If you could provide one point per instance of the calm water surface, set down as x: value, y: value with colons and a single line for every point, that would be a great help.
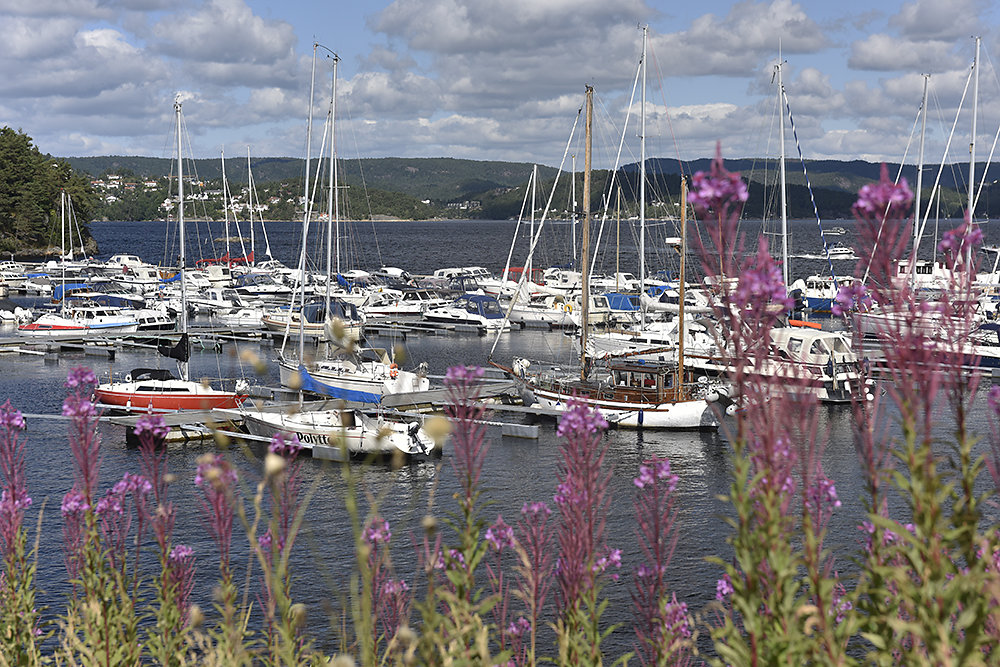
x: 516, y: 470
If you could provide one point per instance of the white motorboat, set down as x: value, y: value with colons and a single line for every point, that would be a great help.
x: 330, y: 434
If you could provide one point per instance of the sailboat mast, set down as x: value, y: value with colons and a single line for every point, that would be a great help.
x: 642, y: 185
x: 573, y: 195
x: 225, y: 203
x: 253, y: 243
x: 305, y: 218
x: 972, y: 140
x: 182, y: 257
x: 333, y: 159
x: 585, y: 242
x: 784, y: 194
x: 62, y: 244
x: 333, y: 227
x: 920, y: 163
x: 680, y: 290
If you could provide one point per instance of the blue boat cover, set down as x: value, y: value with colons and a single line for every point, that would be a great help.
x: 309, y: 383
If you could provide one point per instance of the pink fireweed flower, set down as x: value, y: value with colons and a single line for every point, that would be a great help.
x: 656, y: 469
x: 10, y: 417
x: 959, y: 242
x: 80, y: 377
x: 851, y: 297
x: 134, y: 484
x: 151, y: 426
x: 761, y: 286
x: 723, y: 588
x: 217, y: 472
x: 463, y: 376
x: 716, y: 190
x: 580, y: 420
x: 180, y: 553
x: 500, y: 535
x: 676, y: 621
x: 535, y: 509
x: 395, y: 587
x: 287, y: 448
x: 884, y: 198
x: 519, y: 627
x: 822, y: 495
x: 74, y: 504
x: 993, y: 398
x: 377, y: 532
x: 612, y: 559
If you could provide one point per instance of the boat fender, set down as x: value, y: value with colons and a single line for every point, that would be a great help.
x: 393, y: 371
x: 731, y: 409
x: 712, y: 396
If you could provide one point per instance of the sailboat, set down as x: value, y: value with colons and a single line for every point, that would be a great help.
x: 626, y: 392
x: 362, y: 374
x: 157, y: 390
x: 350, y: 375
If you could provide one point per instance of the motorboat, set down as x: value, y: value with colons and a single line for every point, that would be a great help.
x: 478, y: 310
x: 331, y: 434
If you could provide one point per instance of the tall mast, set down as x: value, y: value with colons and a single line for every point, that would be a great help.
x: 305, y: 220
x: 784, y: 194
x: 62, y: 243
x: 680, y: 290
x: 972, y: 155
x: 972, y: 140
x: 585, y: 243
x: 573, y: 195
x: 642, y: 185
x: 250, y: 207
x: 920, y: 162
x: 182, y: 260
x: 333, y: 219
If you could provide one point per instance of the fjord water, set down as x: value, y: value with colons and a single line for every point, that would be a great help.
x: 516, y: 471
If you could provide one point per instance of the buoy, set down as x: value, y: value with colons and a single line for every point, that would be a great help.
x: 393, y: 371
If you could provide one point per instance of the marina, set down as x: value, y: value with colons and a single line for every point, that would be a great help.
x: 520, y: 465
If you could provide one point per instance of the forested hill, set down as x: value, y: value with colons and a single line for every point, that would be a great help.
x: 31, y: 187
x: 439, y: 179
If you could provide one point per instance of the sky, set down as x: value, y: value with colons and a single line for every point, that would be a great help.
x: 501, y: 79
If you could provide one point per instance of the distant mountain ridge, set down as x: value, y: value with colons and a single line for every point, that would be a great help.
x: 442, y: 179
x: 497, y: 186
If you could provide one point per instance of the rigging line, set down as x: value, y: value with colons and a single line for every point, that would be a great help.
x: 541, y: 225
x: 617, y: 163
x: 899, y: 174
x: 651, y: 53
x: 812, y: 197
x: 989, y: 160
x: 937, y: 179
x: 364, y: 184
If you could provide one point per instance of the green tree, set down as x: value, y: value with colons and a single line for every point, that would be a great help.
x: 30, y: 185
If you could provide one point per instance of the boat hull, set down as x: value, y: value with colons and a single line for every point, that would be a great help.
x: 165, y: 396
x: 687, y: 414
x: 335, y: 434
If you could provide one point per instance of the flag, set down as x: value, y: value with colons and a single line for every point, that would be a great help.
x: 181, y: 351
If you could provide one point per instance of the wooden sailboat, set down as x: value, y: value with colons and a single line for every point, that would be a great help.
x: 626, y: 392
x: 157, y: 390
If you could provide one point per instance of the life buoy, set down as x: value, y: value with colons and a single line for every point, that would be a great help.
x: 569, y: 308
x: 393, y: 371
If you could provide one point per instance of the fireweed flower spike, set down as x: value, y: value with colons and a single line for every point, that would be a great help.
x: 583, y: 501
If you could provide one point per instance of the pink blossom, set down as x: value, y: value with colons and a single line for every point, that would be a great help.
x: 377, y: 532
x: 884, y: 198
x: 723, y: 588
x: 718, y: 189
x: 500, y: 535
x: 81, y: 377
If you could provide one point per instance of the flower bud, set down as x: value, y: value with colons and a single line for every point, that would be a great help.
x: 273, y: 465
